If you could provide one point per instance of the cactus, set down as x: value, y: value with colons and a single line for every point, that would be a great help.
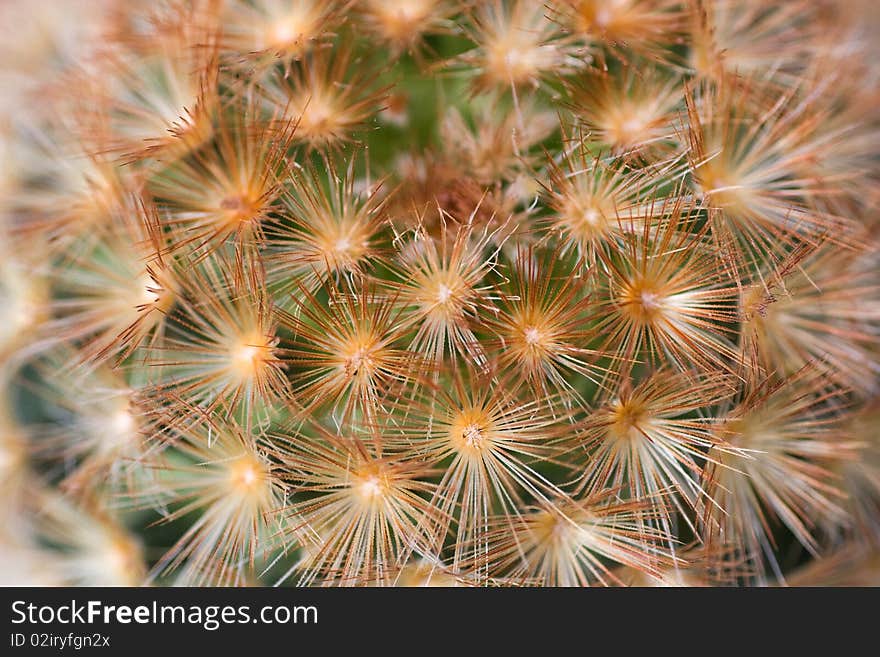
x: 449, y: 292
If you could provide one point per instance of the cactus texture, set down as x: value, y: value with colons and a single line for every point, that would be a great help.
x: 450, y: 292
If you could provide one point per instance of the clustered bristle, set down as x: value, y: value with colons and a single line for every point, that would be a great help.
x: 440, y: 292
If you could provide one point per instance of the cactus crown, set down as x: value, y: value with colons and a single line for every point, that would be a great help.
x: 353, y: 293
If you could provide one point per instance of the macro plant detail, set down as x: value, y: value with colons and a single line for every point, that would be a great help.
x: 439, y: 292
